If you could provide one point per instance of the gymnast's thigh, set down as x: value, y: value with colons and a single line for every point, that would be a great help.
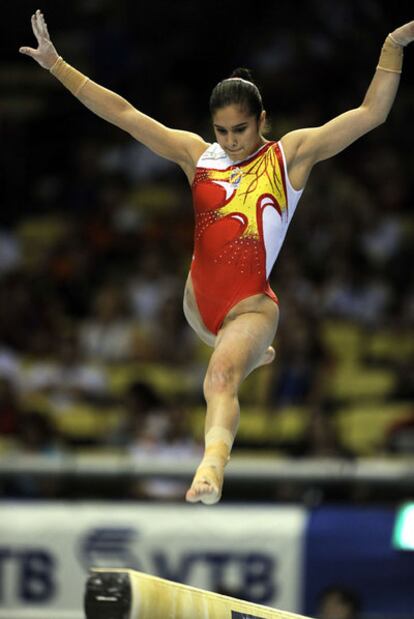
x: 193, y: 316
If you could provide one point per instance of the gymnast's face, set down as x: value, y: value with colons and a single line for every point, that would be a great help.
x: 238, y: 132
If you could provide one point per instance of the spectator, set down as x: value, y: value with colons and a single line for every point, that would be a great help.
x: 337, y: 602
x: 399, y: 437
x: 36, y: 437
x: 152, y: 429
x: 151, y: 423
x: 67, y: 379
x: 302, y: 360
x: 110, y: 334
x: 10, y: 410
x: 321, y: 438
x: 10, y: 251
x: 172, y: 341
x: 151, y: 286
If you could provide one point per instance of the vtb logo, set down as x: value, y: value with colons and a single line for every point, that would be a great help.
x: 118, y: 547
x: 109, y: 547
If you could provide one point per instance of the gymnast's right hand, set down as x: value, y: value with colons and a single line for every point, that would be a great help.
x: 46, y: 54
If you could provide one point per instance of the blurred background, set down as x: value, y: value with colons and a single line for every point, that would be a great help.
x: 100, y: 377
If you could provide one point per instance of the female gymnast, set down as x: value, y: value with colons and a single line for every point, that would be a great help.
x: 245, y: 191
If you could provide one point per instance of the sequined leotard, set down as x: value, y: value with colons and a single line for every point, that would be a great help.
x: 242, y: 212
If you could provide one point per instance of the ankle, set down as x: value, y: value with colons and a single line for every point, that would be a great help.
x: 218, y: 445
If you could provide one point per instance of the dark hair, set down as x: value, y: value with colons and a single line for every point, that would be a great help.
x: 347, y: 596
x: 238, y: 89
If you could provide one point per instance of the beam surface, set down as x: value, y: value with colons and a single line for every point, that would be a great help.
x: 127, y: 594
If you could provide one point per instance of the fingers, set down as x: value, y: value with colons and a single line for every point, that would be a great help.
x: 35, y: 28
x: 46, y: 30
x: 39, y: 26
x: 42, y: 24
x: 29, y: 51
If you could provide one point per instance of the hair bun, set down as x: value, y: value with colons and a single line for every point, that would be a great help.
x: 244, y: 73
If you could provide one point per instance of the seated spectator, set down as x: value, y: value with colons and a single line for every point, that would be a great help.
x: 354, y: 294
x: 404, y: 384
x: 10, y: 366
x: 10, y: 410
x: 151, y: 286
x: 36, y: 436
x: 338, y: 603
x: 156, y: 429
x: 67, y: 379
x: 172, y: 339
x: 110, y: 334
x: 399, y: 438
x: 10, y: 251
x: 321, y: 438
x: 301, y: 361
x: 151, y: 424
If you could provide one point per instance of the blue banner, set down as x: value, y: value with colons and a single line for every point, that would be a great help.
x: 352, y: 547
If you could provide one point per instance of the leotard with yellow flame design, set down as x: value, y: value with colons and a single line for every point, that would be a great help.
x: 242, y: 212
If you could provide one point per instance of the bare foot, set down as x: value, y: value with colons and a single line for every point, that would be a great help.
x: 267, y: 357
x: 206, y: 487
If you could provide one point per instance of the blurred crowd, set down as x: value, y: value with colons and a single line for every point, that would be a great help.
x: 96, y: 232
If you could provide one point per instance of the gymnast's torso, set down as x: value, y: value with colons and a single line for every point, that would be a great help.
x: 242, y: 213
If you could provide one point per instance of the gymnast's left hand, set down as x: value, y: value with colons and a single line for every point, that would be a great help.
x: 45, y: 54
x: 404, y: 35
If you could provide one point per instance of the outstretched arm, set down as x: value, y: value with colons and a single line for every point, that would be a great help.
x: 181, y: 147
x: 308, y: 146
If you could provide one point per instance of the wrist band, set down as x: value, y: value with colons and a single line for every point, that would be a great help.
x: 391, y: 58
x: 71, y: 78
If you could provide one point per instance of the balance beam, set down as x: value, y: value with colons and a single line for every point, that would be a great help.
x: 127, y: 594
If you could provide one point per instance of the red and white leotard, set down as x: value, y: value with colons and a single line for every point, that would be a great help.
x: 242, y: 213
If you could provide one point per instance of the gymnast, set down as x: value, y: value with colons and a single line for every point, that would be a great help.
x: 245, y: 191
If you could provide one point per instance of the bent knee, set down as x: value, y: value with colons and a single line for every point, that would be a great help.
x: 221, y: 377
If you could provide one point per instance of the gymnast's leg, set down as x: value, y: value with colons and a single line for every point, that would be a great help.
x: 242, y: 344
